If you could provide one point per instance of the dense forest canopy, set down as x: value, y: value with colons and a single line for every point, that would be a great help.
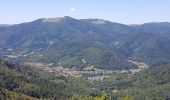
x: 22, y: 82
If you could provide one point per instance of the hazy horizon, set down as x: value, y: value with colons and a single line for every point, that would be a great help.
x: 81, y: 19
x: 120, y: 11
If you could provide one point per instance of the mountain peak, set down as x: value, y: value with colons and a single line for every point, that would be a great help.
x: 99, y: 21
x: 56, y: 19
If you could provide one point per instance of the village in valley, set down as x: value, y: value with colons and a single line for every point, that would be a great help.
x: 89, y: 72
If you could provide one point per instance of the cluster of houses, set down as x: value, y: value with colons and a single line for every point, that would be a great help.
x: 90, y: 72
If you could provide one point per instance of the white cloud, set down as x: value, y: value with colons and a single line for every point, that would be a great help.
x: 72, y: 9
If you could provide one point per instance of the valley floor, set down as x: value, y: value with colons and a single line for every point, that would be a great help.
x: 91, y: 73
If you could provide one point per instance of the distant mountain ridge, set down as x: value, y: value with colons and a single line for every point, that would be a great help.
x: 102, y: 44
x: 161, y: 28
x: 4, y: 25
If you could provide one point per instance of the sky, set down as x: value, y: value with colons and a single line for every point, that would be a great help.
x: 121, y: 11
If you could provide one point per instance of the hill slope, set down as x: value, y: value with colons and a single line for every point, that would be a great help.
x: 161, y: 28
x: 22, y: 82
x: 150, y: 84
x: 69, y: 41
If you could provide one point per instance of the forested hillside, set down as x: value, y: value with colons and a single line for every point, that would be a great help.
x: 22, y: 82
x: 150, y: 84
x: 102, y: 44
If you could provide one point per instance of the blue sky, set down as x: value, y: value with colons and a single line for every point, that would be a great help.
x: 122, y: 11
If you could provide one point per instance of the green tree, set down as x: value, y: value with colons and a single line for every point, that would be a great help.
x: 128, y: 98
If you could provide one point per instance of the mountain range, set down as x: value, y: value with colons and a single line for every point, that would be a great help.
x: 86, y: 42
